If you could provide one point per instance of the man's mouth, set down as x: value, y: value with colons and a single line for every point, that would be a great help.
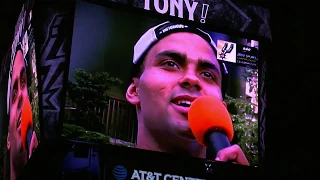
x: 183, y: 103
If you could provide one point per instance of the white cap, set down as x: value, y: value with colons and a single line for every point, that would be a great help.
x: 162, y: 30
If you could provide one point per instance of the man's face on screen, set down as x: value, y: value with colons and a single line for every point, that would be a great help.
x: 178, y: 69
x: 18, y: 88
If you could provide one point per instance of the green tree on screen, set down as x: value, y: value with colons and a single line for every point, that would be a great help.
x: 34, y: 98
x: 72, y: 131
x: 88, y: 95
x: 245, y: 121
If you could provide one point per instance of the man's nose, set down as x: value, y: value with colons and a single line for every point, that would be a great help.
x: 20, y: 101
x: 190, y: 80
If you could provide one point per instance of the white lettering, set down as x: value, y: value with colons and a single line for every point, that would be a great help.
x: 165, y: 6
x: 191, y: 8
x: 246, y: 49
x: 172, y: 27
x: 189, y: 178
x: 158, y: 175
x: 167, y: 176
x: 143, y: 173
x: 135, y: 175
x: 147, y: 4
x: 175, y: 177
x: 148, y: 175
x: 18, y: 31
x: 176, y: 4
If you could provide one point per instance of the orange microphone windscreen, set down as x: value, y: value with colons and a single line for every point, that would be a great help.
x: 26, y: 121
x: 207, y: 113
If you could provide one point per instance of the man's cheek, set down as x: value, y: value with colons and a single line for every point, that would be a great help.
x: 25, y: 92
x: 214, y: 92
x: 13, y: 112
x: 162, y: 89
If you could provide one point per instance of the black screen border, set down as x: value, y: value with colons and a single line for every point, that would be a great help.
x: 264, y: 46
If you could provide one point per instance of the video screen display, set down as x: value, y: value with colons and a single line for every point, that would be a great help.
x: 20, y: 128
x: 132, y: 79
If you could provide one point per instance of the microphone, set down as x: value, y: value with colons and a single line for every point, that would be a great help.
x: 26, y: 125
x: 211, y: 124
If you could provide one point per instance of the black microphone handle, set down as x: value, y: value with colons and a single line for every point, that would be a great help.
x: 215, y: 140
x: 29, y: 137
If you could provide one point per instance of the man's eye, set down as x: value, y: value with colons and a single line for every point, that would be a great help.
x: 209, y: 75
x: 23, y: 80
x: 14, y: 94
x: 170, y: 64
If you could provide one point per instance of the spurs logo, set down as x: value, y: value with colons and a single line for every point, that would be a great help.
x: 225, y: 50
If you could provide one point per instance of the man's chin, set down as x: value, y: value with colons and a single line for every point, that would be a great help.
x: 19, y: 162
x: 20, y: 155
x: 186, y: 135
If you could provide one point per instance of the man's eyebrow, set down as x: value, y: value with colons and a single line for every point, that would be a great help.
x: 182, y: 60
x: 206, y: 64
x: 15, y: 84
x: 175, y: 55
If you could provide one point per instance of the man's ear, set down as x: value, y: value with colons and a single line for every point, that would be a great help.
x: 132, y: 93
x: 8, y: 142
